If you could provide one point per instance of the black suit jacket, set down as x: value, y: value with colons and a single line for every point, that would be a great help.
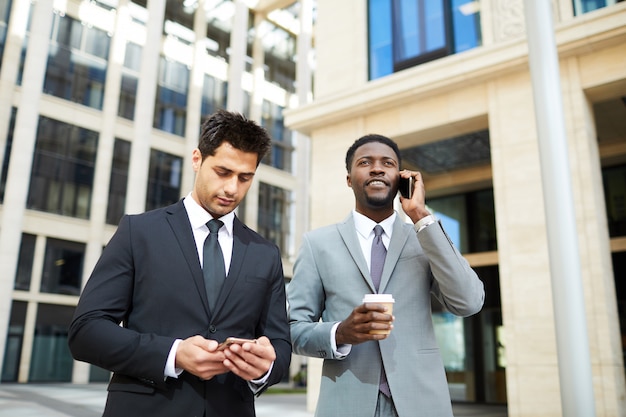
x: 149, y: 279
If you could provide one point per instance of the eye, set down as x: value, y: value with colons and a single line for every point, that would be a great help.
x: 245, y: 178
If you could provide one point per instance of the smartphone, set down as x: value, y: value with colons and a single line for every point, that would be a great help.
x: 406, y: 187
x: 234, y: 340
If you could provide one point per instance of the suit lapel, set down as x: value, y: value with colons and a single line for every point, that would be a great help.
x: 347, y: 231
x: 399, y: 237
x: 240, y: 247
x: 179, y: 223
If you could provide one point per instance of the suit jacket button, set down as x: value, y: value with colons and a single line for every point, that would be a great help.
x: 212, y: 329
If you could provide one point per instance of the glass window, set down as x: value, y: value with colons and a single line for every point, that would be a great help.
x: 51, y: 360
x: 282, y: 148
x: 619, y: 272
x: 584, y: 6
x: 469, y: 220
x: 77, y: 62
x: 164, y: 179
x: 614, y: 180
x: 405, y: 33
x: 63, y: 168
x: 5, y: 9
x: 13, y: 346
x: 273, y: 215
x: 7, y: 154
x: 170, y: 111
x: 213, y: 95
x: 118, y: 182
x: 130, y: 80
x: 25, y: 262
x: 63, y: 267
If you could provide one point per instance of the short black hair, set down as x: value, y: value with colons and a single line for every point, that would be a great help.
x: 368, y: 139
x: 234, y: 128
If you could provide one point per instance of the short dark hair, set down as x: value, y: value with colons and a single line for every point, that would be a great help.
x: 234, y: 128
x: 367, y: 139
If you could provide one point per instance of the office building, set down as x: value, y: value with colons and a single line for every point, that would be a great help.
x: 449, y: 80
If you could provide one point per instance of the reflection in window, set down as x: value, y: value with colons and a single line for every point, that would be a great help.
x: 164, y: 179
x: 51, y: 360
x: 129, y: 82
x: 5, y: 9
x: 13, y: 347
x: 77, y: 62
x: 25, y: 262
x: 273, y: 215
x: 282, y: 149
x: 405, y: 33
x: 469, y: 220
x: 63, y: 168
x: 63, y: 267
x: 170, y: 111
x: 614, y: 180
x: 7, y: 154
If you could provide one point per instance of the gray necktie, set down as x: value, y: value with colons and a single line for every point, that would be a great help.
x: 378, y: 256
x: 213, y: 263
x: 379, y: 253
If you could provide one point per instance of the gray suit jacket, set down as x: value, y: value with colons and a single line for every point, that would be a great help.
x: 330, y: 279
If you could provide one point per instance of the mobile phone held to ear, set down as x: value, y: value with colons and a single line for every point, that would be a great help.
x: 234, y: 340
x: 405, y: 187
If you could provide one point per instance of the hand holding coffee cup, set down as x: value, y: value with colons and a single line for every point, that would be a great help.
x: 385, y: 299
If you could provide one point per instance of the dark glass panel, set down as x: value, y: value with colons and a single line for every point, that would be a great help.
x: 614, y: 180
x: 7, y: 154
x: 13, y: 346
x: 273, y: 223
x: 119, y: 181
x: 25, y: 262
x: 51, y: 360
x: 63, y: 267
x: 164, y: 179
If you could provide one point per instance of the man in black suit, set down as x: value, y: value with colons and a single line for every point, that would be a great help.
x: 145, y: 313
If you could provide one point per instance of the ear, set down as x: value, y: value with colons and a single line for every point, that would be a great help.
x: 196, y: 159
x: 349, y: 180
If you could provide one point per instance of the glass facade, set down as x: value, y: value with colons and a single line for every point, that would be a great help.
x: 77, y: 61
x: 25, y: 262
x: 7, y: 154
x: 170, y: 111
x: 273, y: 215
x: 62, y: 173
x: 130, y: 81
x: 51, y: 360
x: 614, y: 179
x: 164, y: 179
x: 280, y: 156
x: 405, y: 33
x: 63, y: 267
x: 118, y: 181
x: 584, y: 6
x: 5, y: 8
x: 213, y: 95
x: 13, y: 345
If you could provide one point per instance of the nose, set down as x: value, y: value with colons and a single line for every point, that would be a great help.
x: 230, y: 186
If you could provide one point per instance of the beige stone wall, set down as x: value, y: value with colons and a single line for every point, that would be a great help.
x: 489, y: 87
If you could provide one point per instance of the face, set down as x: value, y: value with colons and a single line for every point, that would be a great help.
x: 373, y: 178
x: 222, y: 180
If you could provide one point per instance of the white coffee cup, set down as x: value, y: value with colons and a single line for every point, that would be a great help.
x: 387, y: 300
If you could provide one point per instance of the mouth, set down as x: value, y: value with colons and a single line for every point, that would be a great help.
x: 377, y: 183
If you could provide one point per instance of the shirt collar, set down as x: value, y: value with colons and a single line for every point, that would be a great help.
x: 198, y: 216
x: 364, y: 225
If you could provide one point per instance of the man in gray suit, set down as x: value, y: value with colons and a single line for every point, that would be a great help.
x: 364, y: 374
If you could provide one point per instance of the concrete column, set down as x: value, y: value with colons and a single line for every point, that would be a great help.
x: 25, y: 135
x: 144, y: 110
x: 237, y: 57
x: 194, y: 97
x: 258, y: 72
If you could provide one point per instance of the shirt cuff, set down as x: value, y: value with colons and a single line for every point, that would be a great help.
x: 257, y: 384
x: 424, y: 222
x: 340, y: 351
x: 170, y: 366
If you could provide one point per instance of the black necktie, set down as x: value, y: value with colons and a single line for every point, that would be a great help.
x: 377, y: 261
x: 213, y: 263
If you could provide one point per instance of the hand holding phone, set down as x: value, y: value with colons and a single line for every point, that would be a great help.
x: 234, y: 340
x: 405, y: 187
